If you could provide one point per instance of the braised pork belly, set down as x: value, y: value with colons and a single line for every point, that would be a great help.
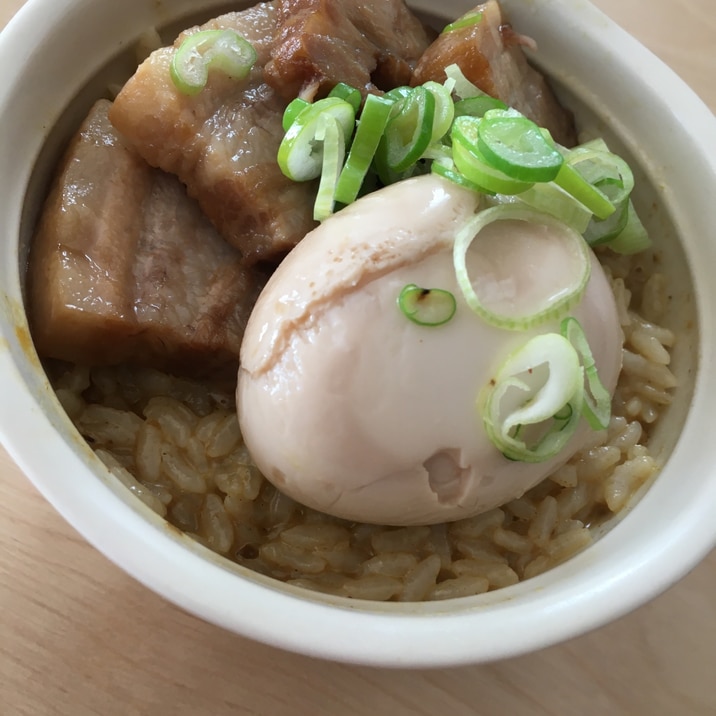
x: 369, y: 45
x: 490, y: 55
x: 222, y: 142
x: 125, y: 267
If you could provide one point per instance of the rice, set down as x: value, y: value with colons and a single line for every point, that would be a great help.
x: 176, y: 445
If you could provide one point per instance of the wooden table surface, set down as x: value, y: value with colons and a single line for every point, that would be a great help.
x: 79, y: 637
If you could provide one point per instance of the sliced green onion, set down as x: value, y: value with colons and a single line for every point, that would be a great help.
x: 330, y: 133
x: 598, y: 165
x: 611, y: 175
x: 476, y: 142
x: 398, y: 93
x: 294, y: 108
x: 597, y: 404
x: 409, y: 131
x: 516, y: 146
x: 439, y: 152
x: 444, y: 109
x: 373, y: 120
x: 575, y: 184
x: 477, y: 106
x: 477, y: 170
x: 555, y: 201
x: 463, y: 88
x: 447, y: 170
x: 300, y: 156
x: 532, y: 406
x: 223, y: 50
x: 597, y: 143
x: 602, y: 231
x: 564, y: 415
x: 347, y: 93
x: 427, y: 306
x: 472, y: 18
x: 470, y: 161
x: 633, y: 238
x: 557, y: 302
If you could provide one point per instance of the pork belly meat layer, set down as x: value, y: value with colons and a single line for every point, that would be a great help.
x: 490, y: 55
x: 125, y: 268
x: 369, y: 44
x: 222, y: 143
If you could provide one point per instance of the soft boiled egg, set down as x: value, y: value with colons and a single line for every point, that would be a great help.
x: 351, y: 408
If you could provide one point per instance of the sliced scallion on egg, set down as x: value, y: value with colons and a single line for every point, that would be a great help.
x: 532, y: 406
x: 492, y: 291
x: 427, y: 306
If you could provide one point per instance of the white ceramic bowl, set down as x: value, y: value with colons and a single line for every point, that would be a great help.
x: 52, y: 53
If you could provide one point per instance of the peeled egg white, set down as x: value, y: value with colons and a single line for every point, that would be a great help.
x: 352, y: 409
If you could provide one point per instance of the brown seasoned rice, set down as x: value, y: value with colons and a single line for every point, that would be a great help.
x: 176, y: 445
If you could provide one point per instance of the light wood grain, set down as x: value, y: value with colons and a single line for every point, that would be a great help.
x: 78, y: 637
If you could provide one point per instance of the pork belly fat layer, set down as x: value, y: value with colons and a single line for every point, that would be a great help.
x: 222, y: 143
x: 369, y: 44
x: 490, y: 55
x: 125, y: 268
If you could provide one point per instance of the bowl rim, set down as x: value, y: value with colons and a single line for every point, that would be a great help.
x: 569, y: 600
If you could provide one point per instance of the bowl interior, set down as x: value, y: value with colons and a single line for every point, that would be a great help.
x: 618, y: 102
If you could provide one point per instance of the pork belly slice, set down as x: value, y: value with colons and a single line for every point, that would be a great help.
x: 490, y: 55
x: 125, y: 268
x: 222, y: 143
x: 370, y: 44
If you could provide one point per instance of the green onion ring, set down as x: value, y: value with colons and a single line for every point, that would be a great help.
x: 224, y: 50
x: 633, y: 237
x: 551, y: 310
x: 447, y: 170
x: 597, y: 405
x: 409, y: 130
x: 349, y: 94
x: 477, y: 106
x: 575, y: 184
x: 444, y: 109
x: 427, y: 306
x: 300, y: 156
x: 373, y: 120
x: 553, y: 408
x: 294, y: 108
x: 462, y: 86
x: 330, y: 133
x: 553, y: 200
x: 470, y: 161
x: 515, y: 145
